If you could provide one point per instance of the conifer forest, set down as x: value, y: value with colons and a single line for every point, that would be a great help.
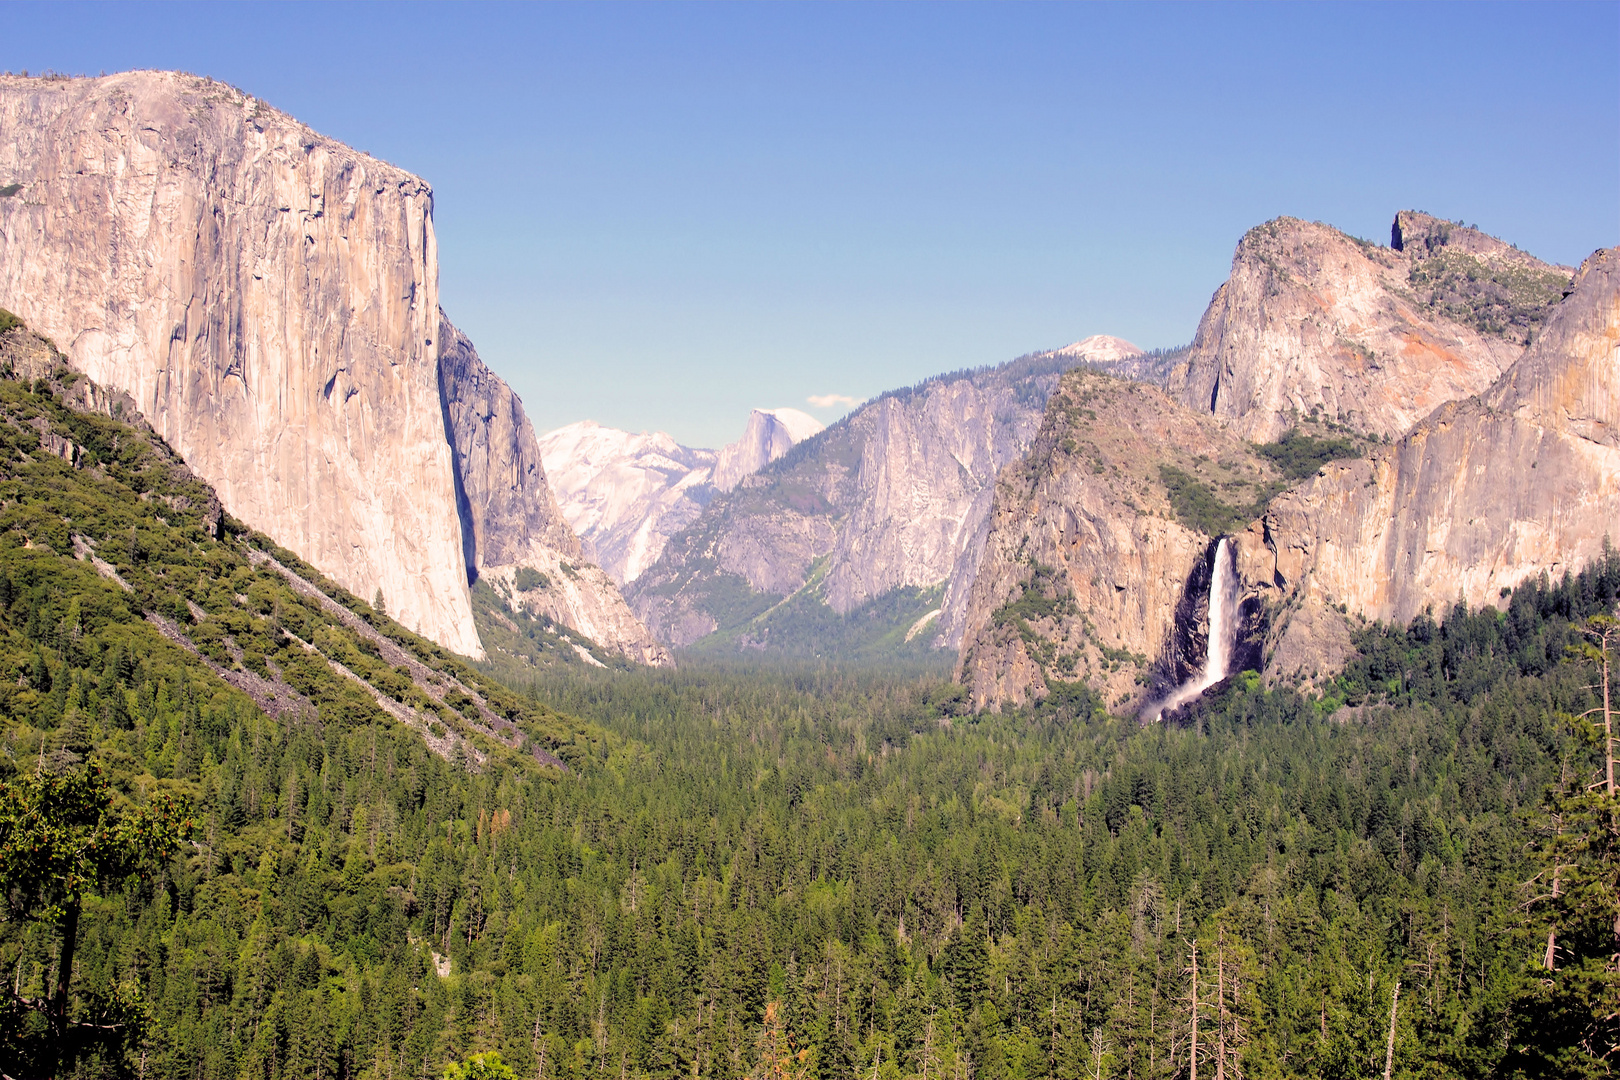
x: 251, y: 827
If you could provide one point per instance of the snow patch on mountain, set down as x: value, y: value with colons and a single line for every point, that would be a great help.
x: 626, y: 493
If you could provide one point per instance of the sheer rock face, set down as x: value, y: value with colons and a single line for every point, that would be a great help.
x: 269, y: 299
x: 896, y: 494
x: 505, y: 503
x: 1372, y: 337
x: 926, y: 471
x: 509, y: 517
x: 1477, y: 497
x: 769, y: 434
x: 1520, y: 476
x: 626, y: 494
x: 1084, y: 530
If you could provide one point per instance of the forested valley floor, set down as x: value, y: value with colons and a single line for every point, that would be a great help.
x: 728, y: 872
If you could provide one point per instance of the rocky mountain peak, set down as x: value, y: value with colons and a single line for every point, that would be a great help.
x: 1085, y: 574
x: 269, y: 299
x: 1315, y: 322
x: 1100, y: 349
x: 1418, y: 236
x: 770, y: 433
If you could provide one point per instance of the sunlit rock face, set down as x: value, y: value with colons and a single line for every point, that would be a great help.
x: 769, y: 434
x: 510, y: 519
x: 1502, y: 464
x: 269, y: 299
x: 1313, y: 320
x: 896, y: 494
x: 1477, y: 497
x: 1086, y: 563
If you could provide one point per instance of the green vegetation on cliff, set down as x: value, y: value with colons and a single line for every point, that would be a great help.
x: 831, y: 873
x: 1509, y: 299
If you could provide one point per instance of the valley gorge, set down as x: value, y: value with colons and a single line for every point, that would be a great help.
x: 1241, y: 708
x: 626, y: 495
x: 891, y: 501
x: 267, y: 298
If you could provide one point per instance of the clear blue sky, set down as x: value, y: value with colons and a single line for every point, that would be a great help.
x: 661, y: 216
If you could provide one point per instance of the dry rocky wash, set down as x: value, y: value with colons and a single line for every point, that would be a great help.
x: 269, y: 299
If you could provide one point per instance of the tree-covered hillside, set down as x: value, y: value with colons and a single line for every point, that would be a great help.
x: 792, y: 872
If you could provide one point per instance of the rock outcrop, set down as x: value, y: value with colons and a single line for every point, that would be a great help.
x: 1315, y: 321
x: 268, y: 299
x: 509, y: 519
x: 1087, y: 576
x: 1479, y: 496
x: 1087, y: 557
x: 769, y: 434
x: 627, y: 494
x: 896, y: 495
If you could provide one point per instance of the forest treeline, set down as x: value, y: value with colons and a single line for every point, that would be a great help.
x: 806, y: 872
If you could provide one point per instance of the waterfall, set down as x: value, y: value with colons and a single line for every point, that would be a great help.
x: 1223, y: 588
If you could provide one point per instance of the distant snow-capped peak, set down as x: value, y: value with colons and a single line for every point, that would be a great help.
x: 1100, y: 349
x: 626, y: 493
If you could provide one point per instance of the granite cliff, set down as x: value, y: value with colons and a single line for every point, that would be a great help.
x: 1515, y: 476
x: 1315, y: 321
x: 268, y: 298
x: 768, y: 435
x: 890, y: 502
x: 1093, y: 542
x: 1479, y: 496
x: 626, y: 494
x: 509, y: 518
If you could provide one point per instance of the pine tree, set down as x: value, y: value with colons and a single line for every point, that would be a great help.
x: 775, y: 1057
x: 1570, y: 1010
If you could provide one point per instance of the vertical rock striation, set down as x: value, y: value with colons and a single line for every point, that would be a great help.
x: 768, y: 435
x: 1477, y: 497
x: 269, y: 299
x: 509, y: 518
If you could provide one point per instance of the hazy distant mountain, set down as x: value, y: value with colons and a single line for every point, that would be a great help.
x: 625, y: 494
x: 889, y: 504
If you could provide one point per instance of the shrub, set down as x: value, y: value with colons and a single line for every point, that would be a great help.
x: 527, y: 577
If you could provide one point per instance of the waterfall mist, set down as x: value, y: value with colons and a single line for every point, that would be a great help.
x: 1223, y: 626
